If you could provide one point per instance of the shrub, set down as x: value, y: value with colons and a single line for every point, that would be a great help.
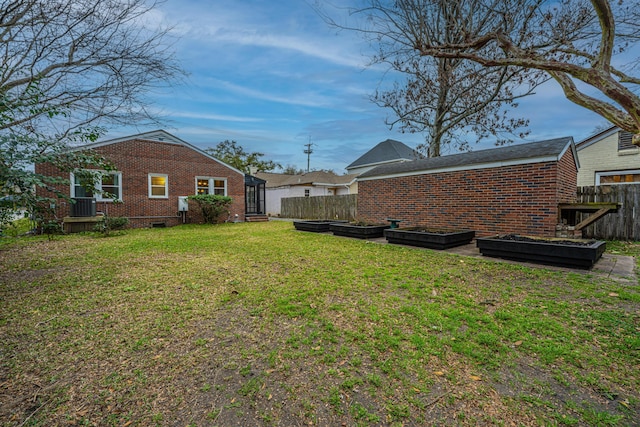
x: 110, y: 223
x: 51, y: 228
x: 212, y: 206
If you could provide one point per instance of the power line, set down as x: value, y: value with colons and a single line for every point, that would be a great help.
x: 308, y: 152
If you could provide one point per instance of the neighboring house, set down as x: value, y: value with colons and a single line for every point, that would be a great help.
x: 279, y: 186
x: 511, y: 189
x: 154, y: 170
x: 608, y: 157
x: 389, y: 151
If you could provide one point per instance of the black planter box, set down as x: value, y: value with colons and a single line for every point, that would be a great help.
x: 432, y: 239
x: 316, y: 225
x: 358, y: 231
x: 564, y: 253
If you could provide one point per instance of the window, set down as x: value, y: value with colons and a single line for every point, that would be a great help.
x: 108, y: 189
x: 618, y: 177
x: 207, y: 185
x: 158, y: 186
x: 306, y: 192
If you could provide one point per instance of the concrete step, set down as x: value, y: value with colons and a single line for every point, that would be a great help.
x: 256, y: 218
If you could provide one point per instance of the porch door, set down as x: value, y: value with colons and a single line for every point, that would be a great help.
x: 251, y: 201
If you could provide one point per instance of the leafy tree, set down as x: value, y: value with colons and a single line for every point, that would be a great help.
x: 234, y: 155
x: 573, y: 42
x: 292, y: 170
x: 18, y: 179
x: 452, y: 100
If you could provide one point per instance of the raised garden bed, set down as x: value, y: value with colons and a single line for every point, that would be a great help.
x: 359, y: 231
x: 560, y: 252
x: 429, y: 238
x: 316, y: 225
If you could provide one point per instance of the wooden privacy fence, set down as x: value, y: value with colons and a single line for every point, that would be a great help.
x: 320, y: 207
x: 620, y: 225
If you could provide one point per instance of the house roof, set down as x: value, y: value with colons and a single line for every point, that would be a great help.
x: 385, y: 152
x: 317, y: 178
x: 596, y: 137
x: 534, y: 152
x: 156, y: 136
x: 602, y: 135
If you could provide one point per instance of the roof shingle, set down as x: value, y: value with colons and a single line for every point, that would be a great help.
x: 385, y: 151
x: 512, y: 153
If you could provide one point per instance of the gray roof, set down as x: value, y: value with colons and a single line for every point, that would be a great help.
x: 512, y: 154
x: 385, y: 151
x: 319, y: 178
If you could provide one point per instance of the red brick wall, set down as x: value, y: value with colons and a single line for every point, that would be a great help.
x: 567, y: 178
x: 136, y: 159
x: 520, y: 199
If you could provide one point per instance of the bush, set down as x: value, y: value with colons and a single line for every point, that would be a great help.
x: 212, y: 206
x: 51, y: 228
x: 110, y: 223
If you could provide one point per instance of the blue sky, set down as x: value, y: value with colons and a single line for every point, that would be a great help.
x: 273, y: 76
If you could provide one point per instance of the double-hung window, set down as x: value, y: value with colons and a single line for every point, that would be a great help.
x: 106, y: 189
x: 158, y: 186
x: 208, y: 185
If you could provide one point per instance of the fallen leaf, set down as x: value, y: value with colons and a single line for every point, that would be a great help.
x: 613, y: 294
x: 417, y: 390
x: 475, y: 378
x: 517, y: 343
x: 269, y: 397
x: 439, y: 373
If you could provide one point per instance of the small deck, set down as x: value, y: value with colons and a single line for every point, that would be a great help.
x: 567, y: 212
x: 78, y: 224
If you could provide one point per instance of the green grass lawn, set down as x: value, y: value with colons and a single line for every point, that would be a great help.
x: 259, y: 324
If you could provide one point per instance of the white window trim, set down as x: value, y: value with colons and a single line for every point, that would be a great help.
x: 211, y: 180
x: 98, y: 189
x: 166, y: 185
x: 622, y: 172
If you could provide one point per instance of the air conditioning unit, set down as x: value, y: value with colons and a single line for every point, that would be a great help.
x: 83, y: 206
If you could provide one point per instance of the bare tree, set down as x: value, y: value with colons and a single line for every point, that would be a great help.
x: 80, y: 61
x: 452, y: 100
x: 572, y: 41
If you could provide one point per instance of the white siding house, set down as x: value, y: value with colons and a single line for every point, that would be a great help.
x: 311, y: 184
x: 608, y: 158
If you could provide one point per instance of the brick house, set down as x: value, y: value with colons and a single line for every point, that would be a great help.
x: 153, y: 170
x: 512, y: 189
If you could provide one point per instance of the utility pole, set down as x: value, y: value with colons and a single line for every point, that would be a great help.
x: 308, y: 152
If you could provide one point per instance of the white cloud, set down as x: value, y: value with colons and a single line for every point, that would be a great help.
x: 208, y: 116
x: 330, y: 50
x: 307, y: 98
